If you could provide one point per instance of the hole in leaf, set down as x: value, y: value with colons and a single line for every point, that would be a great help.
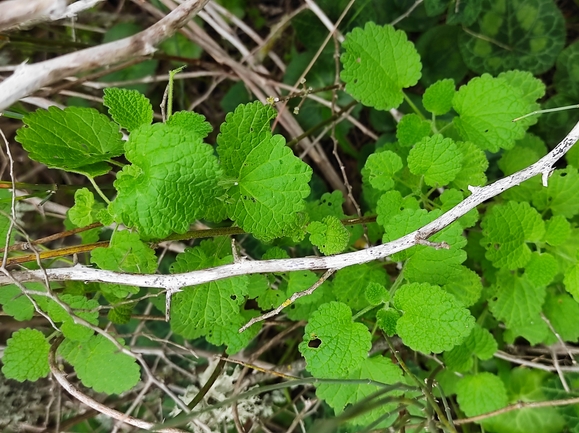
x: 563, y: 174
x: 356, y: 81
x: 314, y: 344
x: 233, y: 297
x: 358, y: 60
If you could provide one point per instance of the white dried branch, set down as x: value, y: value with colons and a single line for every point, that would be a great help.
x: 26, y: 79
x: 20, y: 13
x: 27, y: 13
x: 99, y: 407
x: 174, y: 283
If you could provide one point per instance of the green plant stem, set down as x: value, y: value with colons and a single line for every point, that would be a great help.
x: 547, y: 110
x: 425, y: 391
x: 170, y: 92
x: 413, y: 106
x: 203, y: 391
x: 117, y: 163
x: 364, y: 311
x: 98, y: 190
x: 397, y: 283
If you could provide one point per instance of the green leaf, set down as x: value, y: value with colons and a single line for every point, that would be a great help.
x: 173, y: 177
x: 479, y: 343
x: 74, y: 139
x: 329, y: 204
x: 525, y: 385
x: 562, y: 194
x: 26, y: 356
x: 566, y: 78
x: 465, y: 13
x: 434, y: 7
x: 376, y: 294
x: 100, y: 365
x: 15, y: 303
x: 333, y: 345
x: 452, y: 197
x: 441, y: 59
x: 269, y: 182
x: 406, y: 222
x: 330, y: 236
x: 386, y: 320
x: 562, y: 312
x: 350, y: 283
x: 486, y: 108
x: 519, y: 34
x: 464, y: 283
x: 443, y: 266
x: 121, y: 314
x: 71, y: 330
x: 438, y: 97
x: 506, y: 229
x: 553, y: 390
x: 432, y: 320
x: 532, y: 89
x: 128, y: 108
x: 340, y: 396
x: 392, y: 203
x: 378, y: 63
x: 190, y: 121
x: 557, y: 230
x: 380, y: 168
x: 516, y: 301
x: 181, y: 46
x: 571, y: 281
x: 437, y: 159
x: 481, y: 393
x: 411, y: 129
x: 541, y: 269
x: 527, y: 151
x: 212, y: 309
x: 126, y: 253
x: 81, y: 214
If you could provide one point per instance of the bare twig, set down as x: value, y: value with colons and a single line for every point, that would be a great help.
x: 28, y: 78
x: 407, y: 13
x: 177, y: 281
x: 16, y: 13
x: 85, y: 399
x: 289, y: 301
x: 516, y: 360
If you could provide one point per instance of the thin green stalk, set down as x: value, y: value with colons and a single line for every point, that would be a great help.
x: 170, y: 92
x: 413, y: 106
x: 203, y: 391
x: 548, y: 110
x: 98, y: 190
x: 364, y: 311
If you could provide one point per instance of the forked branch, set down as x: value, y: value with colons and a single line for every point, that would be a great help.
x: 26, y: 79
x: 174, y: 283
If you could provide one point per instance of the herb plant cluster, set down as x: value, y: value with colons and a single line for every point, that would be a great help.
x: 505, y: 273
